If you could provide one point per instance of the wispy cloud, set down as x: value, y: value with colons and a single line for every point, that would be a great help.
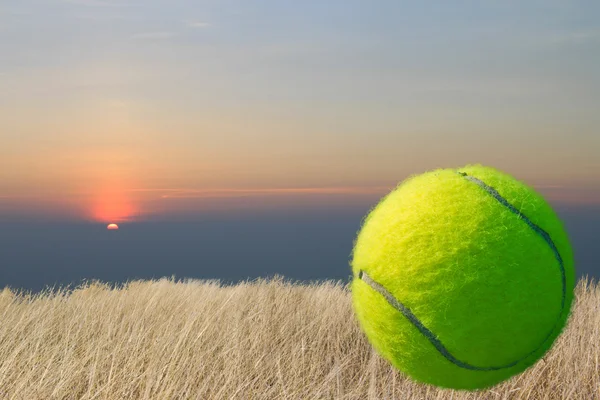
x: 560, y: 194
x: 577, y: 37
x: 154, y: 35
x: 95, y: 3
x: 21, y: 196
x: 94, y: 16
x: 198, y: 24
x: 223, y: 193
x: 546, y: 186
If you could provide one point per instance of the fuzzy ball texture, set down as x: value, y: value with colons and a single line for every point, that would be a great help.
x: 475, y: 274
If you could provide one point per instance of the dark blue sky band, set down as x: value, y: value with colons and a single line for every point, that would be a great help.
x: 433, y: 339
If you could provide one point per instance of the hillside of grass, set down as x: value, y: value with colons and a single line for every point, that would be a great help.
x: 266, y: 339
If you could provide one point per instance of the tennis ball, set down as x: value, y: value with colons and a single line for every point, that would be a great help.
x: 462, y: 278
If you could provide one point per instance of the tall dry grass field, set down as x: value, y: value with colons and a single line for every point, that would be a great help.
x: 268, y: 339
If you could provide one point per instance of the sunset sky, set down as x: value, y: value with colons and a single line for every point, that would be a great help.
x: 118, y: 110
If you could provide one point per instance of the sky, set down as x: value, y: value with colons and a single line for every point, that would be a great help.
x: 135, y: 111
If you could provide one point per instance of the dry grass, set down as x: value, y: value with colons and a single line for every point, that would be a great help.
x: 256, y: 340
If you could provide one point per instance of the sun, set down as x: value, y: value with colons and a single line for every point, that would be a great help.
x: 112, y: 227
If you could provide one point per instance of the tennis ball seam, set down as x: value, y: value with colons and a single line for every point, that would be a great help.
x: 532, y: 225
x: 395, y: 303
x: 439, y: 346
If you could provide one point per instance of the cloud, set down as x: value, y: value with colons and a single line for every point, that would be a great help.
x: 198, y: 24
x: 577, y: 37
x: 154, y: 35
x: 20, y: 197
x: 543, y: 187
x: 556, y: 194
x: 570, y: 195
x: 95, y: 16
x: 227, y: 193
x: 95, y: 3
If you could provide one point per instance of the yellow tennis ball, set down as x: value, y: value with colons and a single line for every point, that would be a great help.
x: 462, y: 277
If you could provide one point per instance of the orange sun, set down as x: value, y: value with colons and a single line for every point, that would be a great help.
x: 113, y: 227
